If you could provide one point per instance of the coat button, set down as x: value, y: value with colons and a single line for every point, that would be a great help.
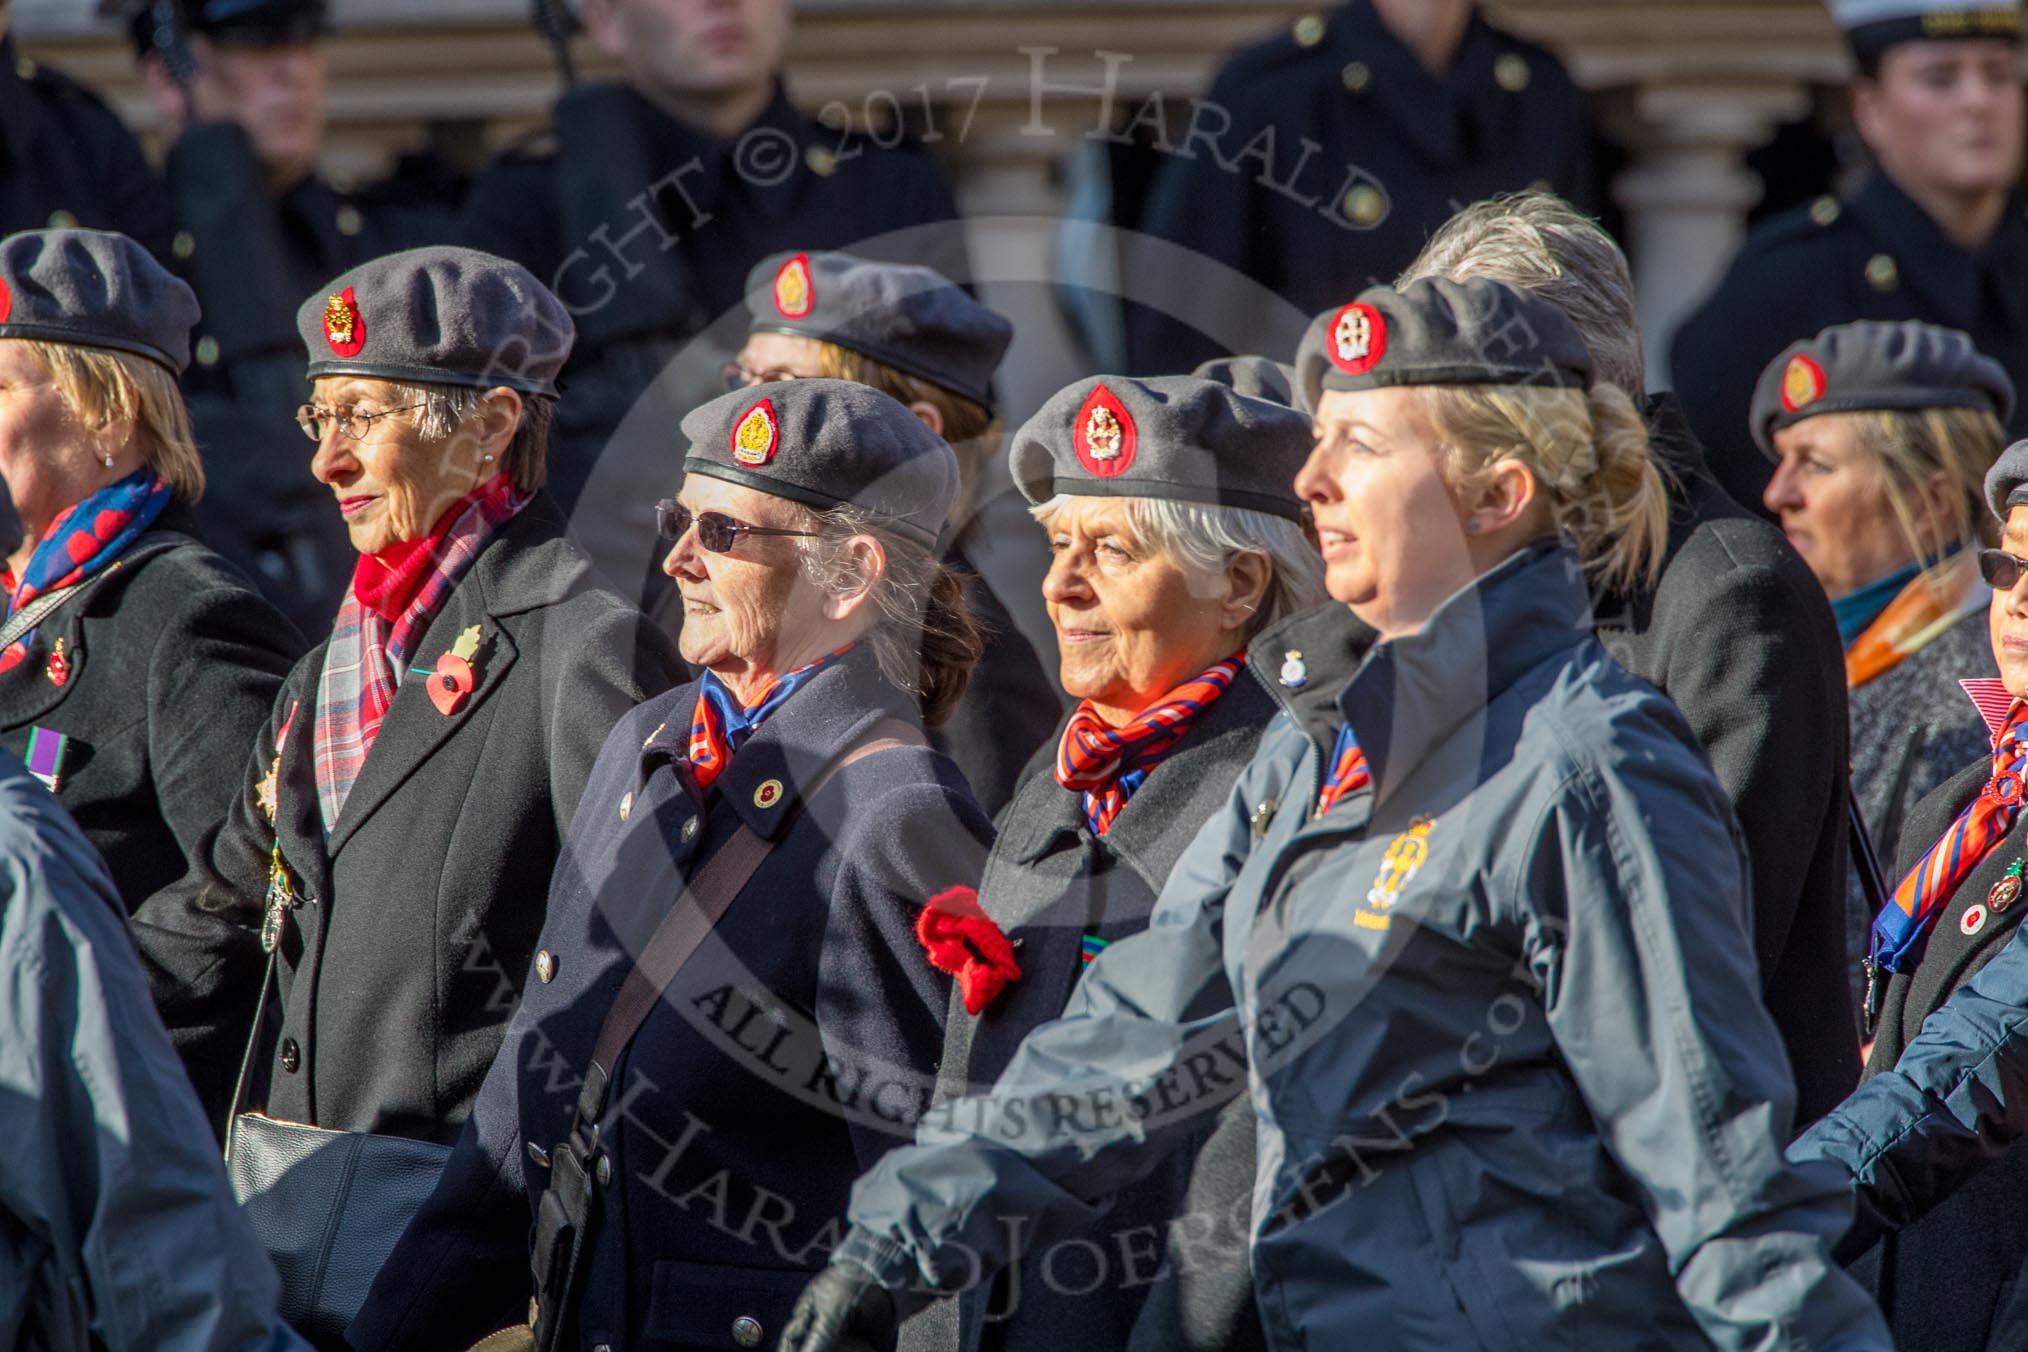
x: 545, y: 967
x: 602, y: 1347
x: 292, y: 1056
x: 604, y: 1170
x: 627, y: 805
x: 689, y: 831
x: 747, y: 1331
x: 1881, y: 273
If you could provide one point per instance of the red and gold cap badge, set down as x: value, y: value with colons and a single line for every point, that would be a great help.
x: 1802, y: 383
x: 344, y: 326
x: 1358, y: 339
x: 795, y: 294
x: 756, y: 437
x: 6, y: 301
x: 1104, y: 435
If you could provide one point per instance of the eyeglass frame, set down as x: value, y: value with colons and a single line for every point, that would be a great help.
x: 306, y: 414
x: 1994, y: 561
x: 668, y: 510
x: 738, y: 377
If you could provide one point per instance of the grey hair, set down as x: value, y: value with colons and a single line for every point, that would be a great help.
x: 923, y: 636
x: 444, y: 408
x: 1203, y: 538
x: 1542, y: 244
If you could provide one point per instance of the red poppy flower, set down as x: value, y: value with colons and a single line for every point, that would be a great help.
x: 451, y: 684
x: 962, y: 939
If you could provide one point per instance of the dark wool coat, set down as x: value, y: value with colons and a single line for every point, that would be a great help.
x: 1958, y: 1277
x: 1048, y: 883
x: 172, y: 665
x: 795, y: 1047
x: 417, y: 918
x: 1738, y: 634
x: 1912, y: 729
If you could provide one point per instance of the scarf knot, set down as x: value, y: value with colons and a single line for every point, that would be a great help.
x: 1902, y: 929
x: 83, y: 540
x: 1108, y: 764
x: 720, y: 724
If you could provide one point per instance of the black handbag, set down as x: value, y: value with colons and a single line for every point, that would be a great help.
x: 327, y: 1205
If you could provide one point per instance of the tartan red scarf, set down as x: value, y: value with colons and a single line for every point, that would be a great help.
x: 394, y: 596
x: 1109, y: 764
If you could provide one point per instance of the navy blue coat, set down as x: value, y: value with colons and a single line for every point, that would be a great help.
x: 797, y: 1045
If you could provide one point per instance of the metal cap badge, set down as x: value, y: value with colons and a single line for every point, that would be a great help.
x: 344, y: 326
x: 1105, y: 436
x: 757, y: 436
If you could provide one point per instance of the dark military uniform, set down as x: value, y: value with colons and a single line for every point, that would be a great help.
x: 66, y: 160
x: 1392, y: 152
x: 1878, y: 256
x: 565, y: 206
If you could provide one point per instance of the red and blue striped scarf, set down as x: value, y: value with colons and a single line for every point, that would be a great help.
x: 394, y: 596
x: 720, y: 724
x: 83, y: 539
x: 1348, y: 773
x: 1903, y: 925
x: 1108, y: 764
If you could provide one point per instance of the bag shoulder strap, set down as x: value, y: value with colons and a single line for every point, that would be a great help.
x: 697, y: 910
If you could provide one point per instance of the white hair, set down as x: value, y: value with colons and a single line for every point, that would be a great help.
x: 1202, y: 538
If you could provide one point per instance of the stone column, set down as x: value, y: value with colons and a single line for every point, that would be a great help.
x: 1688, y: 190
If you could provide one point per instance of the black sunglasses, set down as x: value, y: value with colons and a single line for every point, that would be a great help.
x: 715, y: 531
x: 2001, y: 569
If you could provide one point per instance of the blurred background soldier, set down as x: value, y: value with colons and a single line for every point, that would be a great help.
x: 644, y: 204
x: 66, y: 160
x: 1322, y: 159
x: 1935, y: 232
x: 238, y: 88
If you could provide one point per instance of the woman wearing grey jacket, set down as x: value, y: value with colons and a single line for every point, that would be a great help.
x: 1175, y: 538
x: 1473, y: 919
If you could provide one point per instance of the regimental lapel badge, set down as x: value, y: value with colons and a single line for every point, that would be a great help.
x: 46, y: 751
x: 281, y: 899
x: 1295, y: 672
x: 456, y: 676
x: 268, y: 793
x: 2006, y: 891
x: 58, y: 668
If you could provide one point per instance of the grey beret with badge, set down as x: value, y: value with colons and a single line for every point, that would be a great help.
x: 828, y: 443
x: 914, y: 319
x: 1872, y: 26
x: 2007, y: 480
x: 1435, y: 331
x: 1181, y: 438
x: 441, y: 315
x: 94, y: 288
x: 1875, y: 364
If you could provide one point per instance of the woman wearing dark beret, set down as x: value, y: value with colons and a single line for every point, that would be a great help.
x: 683, y: 1181
x: 1882, y: 435
x: 1943, y: 1096
x: 1176, y: 537
x: 1470, y: 930
x: 136, y: 666
x: 397, y: 820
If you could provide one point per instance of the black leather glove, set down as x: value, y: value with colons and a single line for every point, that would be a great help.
x: 843, y: 1309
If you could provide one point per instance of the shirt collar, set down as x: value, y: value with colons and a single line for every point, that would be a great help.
x: 1989, y: 695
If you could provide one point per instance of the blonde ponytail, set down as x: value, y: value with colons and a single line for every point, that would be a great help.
x: 1588, y: 451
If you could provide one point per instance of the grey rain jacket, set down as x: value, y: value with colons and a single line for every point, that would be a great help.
x: 1499, y: 1019
x: 117, y: 1228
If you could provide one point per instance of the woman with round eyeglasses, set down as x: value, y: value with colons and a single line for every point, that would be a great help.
x: 1881, y: 436
x: 798, y: 1040
x: 136, y: 665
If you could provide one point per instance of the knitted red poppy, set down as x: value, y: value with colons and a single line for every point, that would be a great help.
x: 962, y: 939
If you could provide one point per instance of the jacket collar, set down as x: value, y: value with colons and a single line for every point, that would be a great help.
x: 1954, y: 281
x: 1443, y: 116
x: 785, y: 756
x: 677, y: 142
x: 1408, y: 695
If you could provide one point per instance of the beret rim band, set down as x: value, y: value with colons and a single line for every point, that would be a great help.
x: 1872, y: 401
x: 874, y: 351
x: 762, y: 483
x: 428, y: 375
x: 1554, y: 377
x: 57, y: 333
x: 1168, y: 492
